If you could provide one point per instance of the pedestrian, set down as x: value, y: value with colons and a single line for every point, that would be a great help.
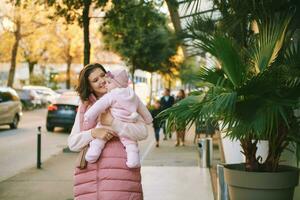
x: 156, y: 122
x: 200, y: 128
x: 211, y: 127
x: 166, y: 102
x: 125, y: 106
x: 108, y: 178
x: 179, y: 127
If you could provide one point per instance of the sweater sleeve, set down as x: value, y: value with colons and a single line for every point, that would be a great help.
x: 144, y: 112
x: 78, y: 139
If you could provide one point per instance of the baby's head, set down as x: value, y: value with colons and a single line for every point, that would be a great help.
x: 116, y: 79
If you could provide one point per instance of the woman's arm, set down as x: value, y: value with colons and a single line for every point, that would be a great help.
x: 134, y: 131
x: 78, y: 139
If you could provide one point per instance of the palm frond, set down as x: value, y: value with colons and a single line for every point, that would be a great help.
x: 270, y: 39
x: 292, y: 55
x: 218, y: 102
x: 190, y: 6
x: 213, y: 76
x: 278, y: 81
x: 181, y: 112
x: 200, y: 24
x: 224, y: 50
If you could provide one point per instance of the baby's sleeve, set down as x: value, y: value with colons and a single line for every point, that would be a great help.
x: 98, y: 108
x: 144, y: 112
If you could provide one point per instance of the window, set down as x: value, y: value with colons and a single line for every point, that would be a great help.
x: 6, y: 96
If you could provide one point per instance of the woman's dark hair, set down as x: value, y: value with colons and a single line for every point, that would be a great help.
x: 83, y: 85
x: 182, y: 92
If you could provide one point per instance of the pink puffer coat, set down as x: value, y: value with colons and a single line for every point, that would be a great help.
x: 109, y: 178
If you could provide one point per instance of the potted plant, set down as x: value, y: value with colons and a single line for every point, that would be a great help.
x: 254, y: 92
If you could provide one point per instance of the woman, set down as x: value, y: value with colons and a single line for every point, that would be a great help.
x: 180, y: 130
x: 109, y: 178
x: 156, y: 123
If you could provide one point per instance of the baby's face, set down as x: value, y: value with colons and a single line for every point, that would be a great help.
x: 110, y: 84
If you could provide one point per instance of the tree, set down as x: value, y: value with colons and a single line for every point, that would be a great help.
x: 33, y: 48
x: 22, y: 19
x: 78, y: 10
x: 253, y: 86
x: 188, y: 72
x: 159, y: 50
x: 70, y: 45
x: 7, y: 41
x: 138, y: 32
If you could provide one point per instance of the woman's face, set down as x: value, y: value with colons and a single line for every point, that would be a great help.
x: 97, y: 82
x: 180, y: 94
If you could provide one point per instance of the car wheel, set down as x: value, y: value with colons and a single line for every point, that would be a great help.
x: 49, y: 128
x: 15, y: 122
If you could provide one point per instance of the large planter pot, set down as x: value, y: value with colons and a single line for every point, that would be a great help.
x: 243, y: 185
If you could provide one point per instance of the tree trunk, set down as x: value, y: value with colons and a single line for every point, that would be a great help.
x: 151, y: 85
x: 14, y: 54
x: 173, y: 10
x: 31, y: 68
x: 68, y: 80
x: 86, y: 31
x: 249, y: 150
x: 277, y: 144
x: 132, y: 75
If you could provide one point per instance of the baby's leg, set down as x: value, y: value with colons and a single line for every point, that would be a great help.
x: 94, y: 150
x: 133, y: 157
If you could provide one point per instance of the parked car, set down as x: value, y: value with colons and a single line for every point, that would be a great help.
x: 61, y: 91
x: 30, y: 98
x: 47, y: 94
x: 62, y: 112
x: 10, y: 107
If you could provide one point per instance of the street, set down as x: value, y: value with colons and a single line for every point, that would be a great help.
x: 19, y: 147
x: 168, y: 173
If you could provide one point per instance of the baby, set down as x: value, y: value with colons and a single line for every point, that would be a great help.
x: 125, y: 106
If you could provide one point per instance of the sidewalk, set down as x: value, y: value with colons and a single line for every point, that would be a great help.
x: 168, y: 173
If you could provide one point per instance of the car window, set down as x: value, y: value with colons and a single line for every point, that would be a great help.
x: 6, y: 96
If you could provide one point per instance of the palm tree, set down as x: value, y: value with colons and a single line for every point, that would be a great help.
x: 253, y: 86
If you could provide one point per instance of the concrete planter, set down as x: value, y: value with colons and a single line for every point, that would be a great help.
x: 244, y: 185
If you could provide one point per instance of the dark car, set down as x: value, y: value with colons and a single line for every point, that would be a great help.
x: 10, y: 107
x: 62, y: 112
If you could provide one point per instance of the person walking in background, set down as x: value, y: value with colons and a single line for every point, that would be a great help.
x: 180, y: 129
x: 200, y: 128
x: 108, y: 178
x: 156, y: 123
x: 166, y: 101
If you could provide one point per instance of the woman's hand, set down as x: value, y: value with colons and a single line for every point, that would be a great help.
x: 102, y: 133
x: 106, y: 119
